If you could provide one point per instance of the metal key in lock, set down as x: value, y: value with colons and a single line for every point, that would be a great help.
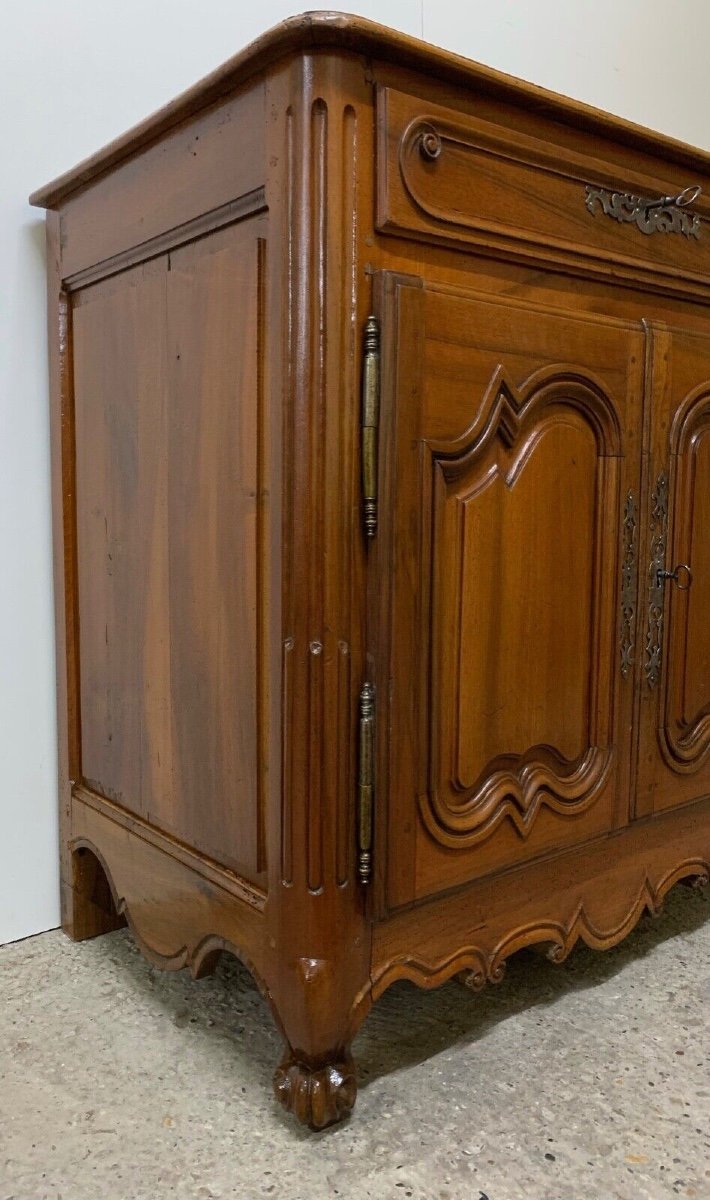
x: 675, y: 575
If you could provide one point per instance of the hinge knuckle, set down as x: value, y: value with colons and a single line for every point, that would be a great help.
x: 370, y: 422
x: 366, y: 789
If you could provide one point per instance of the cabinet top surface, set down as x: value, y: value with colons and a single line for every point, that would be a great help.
x: 344, y: 32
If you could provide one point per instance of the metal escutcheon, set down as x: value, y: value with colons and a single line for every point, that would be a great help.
x: 675, y: 575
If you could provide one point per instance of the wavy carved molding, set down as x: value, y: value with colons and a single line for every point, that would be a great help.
x: 516, y: 787
x: 518, y: 797
x: 507, y: 410
x: 688, y: 753
x: 320, y: 1095
x: 484, y: 965
x: 199, y: 955
x: 694, y: 409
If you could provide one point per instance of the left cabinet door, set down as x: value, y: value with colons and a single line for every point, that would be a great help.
x: 506, y: 587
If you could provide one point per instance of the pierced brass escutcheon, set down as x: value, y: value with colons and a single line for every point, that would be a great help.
x: 629, y: 581
x: 654, y: 627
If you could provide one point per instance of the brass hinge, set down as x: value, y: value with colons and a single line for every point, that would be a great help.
x: 370, y: 423
x: 365, y: 781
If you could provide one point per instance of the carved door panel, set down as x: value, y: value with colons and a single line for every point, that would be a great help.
x: 511, y: 458
x: 674, y: 724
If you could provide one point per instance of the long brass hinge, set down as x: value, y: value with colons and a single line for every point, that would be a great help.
x: 366, y: 781
x: 370, y: 423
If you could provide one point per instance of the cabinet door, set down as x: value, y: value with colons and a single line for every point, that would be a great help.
x: 510, y: 456
x: 674, y: 727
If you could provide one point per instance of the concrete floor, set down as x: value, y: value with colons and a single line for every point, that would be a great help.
x: 587, y: 1081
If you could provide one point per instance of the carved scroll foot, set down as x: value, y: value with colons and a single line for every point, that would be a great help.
x: 472, y: 980
x: 318, y: 1096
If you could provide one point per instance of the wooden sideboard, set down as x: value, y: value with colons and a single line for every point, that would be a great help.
x: 381, y: 461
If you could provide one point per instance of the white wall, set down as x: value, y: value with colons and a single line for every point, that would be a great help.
x: 646, y: 60
x: 73, y: 74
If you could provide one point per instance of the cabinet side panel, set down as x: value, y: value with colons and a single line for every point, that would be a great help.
x: 168, y: 403
x: 62, y: 462
x: 121, y: 394
x: 214, y: 316
x: 202, y: 165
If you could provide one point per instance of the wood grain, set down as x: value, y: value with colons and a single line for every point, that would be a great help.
x: 343, y: 32
x: 218, y: 609
x: 518, y: 739
x: 497, y: 188
x: 196, y: 169
x: 167, y: 463
x: 674, y: 753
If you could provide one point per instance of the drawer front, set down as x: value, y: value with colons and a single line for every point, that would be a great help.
x: 446, y: 175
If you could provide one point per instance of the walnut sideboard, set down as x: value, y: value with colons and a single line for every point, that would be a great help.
x: 381, y: 462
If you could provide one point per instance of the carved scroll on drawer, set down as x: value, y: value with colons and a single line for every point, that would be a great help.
x: 444, y: 175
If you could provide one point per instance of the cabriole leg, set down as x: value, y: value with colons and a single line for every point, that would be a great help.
x: 319, y: 1005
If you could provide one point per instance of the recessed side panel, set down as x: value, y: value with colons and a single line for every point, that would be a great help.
x: 214, y: 318
x: 168, y: 404
x: 121, y: 400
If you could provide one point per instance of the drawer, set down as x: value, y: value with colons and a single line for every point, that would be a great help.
x: 444, y: 175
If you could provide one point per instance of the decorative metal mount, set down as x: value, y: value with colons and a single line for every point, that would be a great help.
x: 654, y: 631
x: 370, y: 423
x: 365, y: 787
x: 629, y: 579
x: 661, y: 214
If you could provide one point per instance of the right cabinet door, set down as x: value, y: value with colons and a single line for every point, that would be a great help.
x: 674, y: 666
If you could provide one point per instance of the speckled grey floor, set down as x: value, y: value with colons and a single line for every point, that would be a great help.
x: 588, y: 1081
